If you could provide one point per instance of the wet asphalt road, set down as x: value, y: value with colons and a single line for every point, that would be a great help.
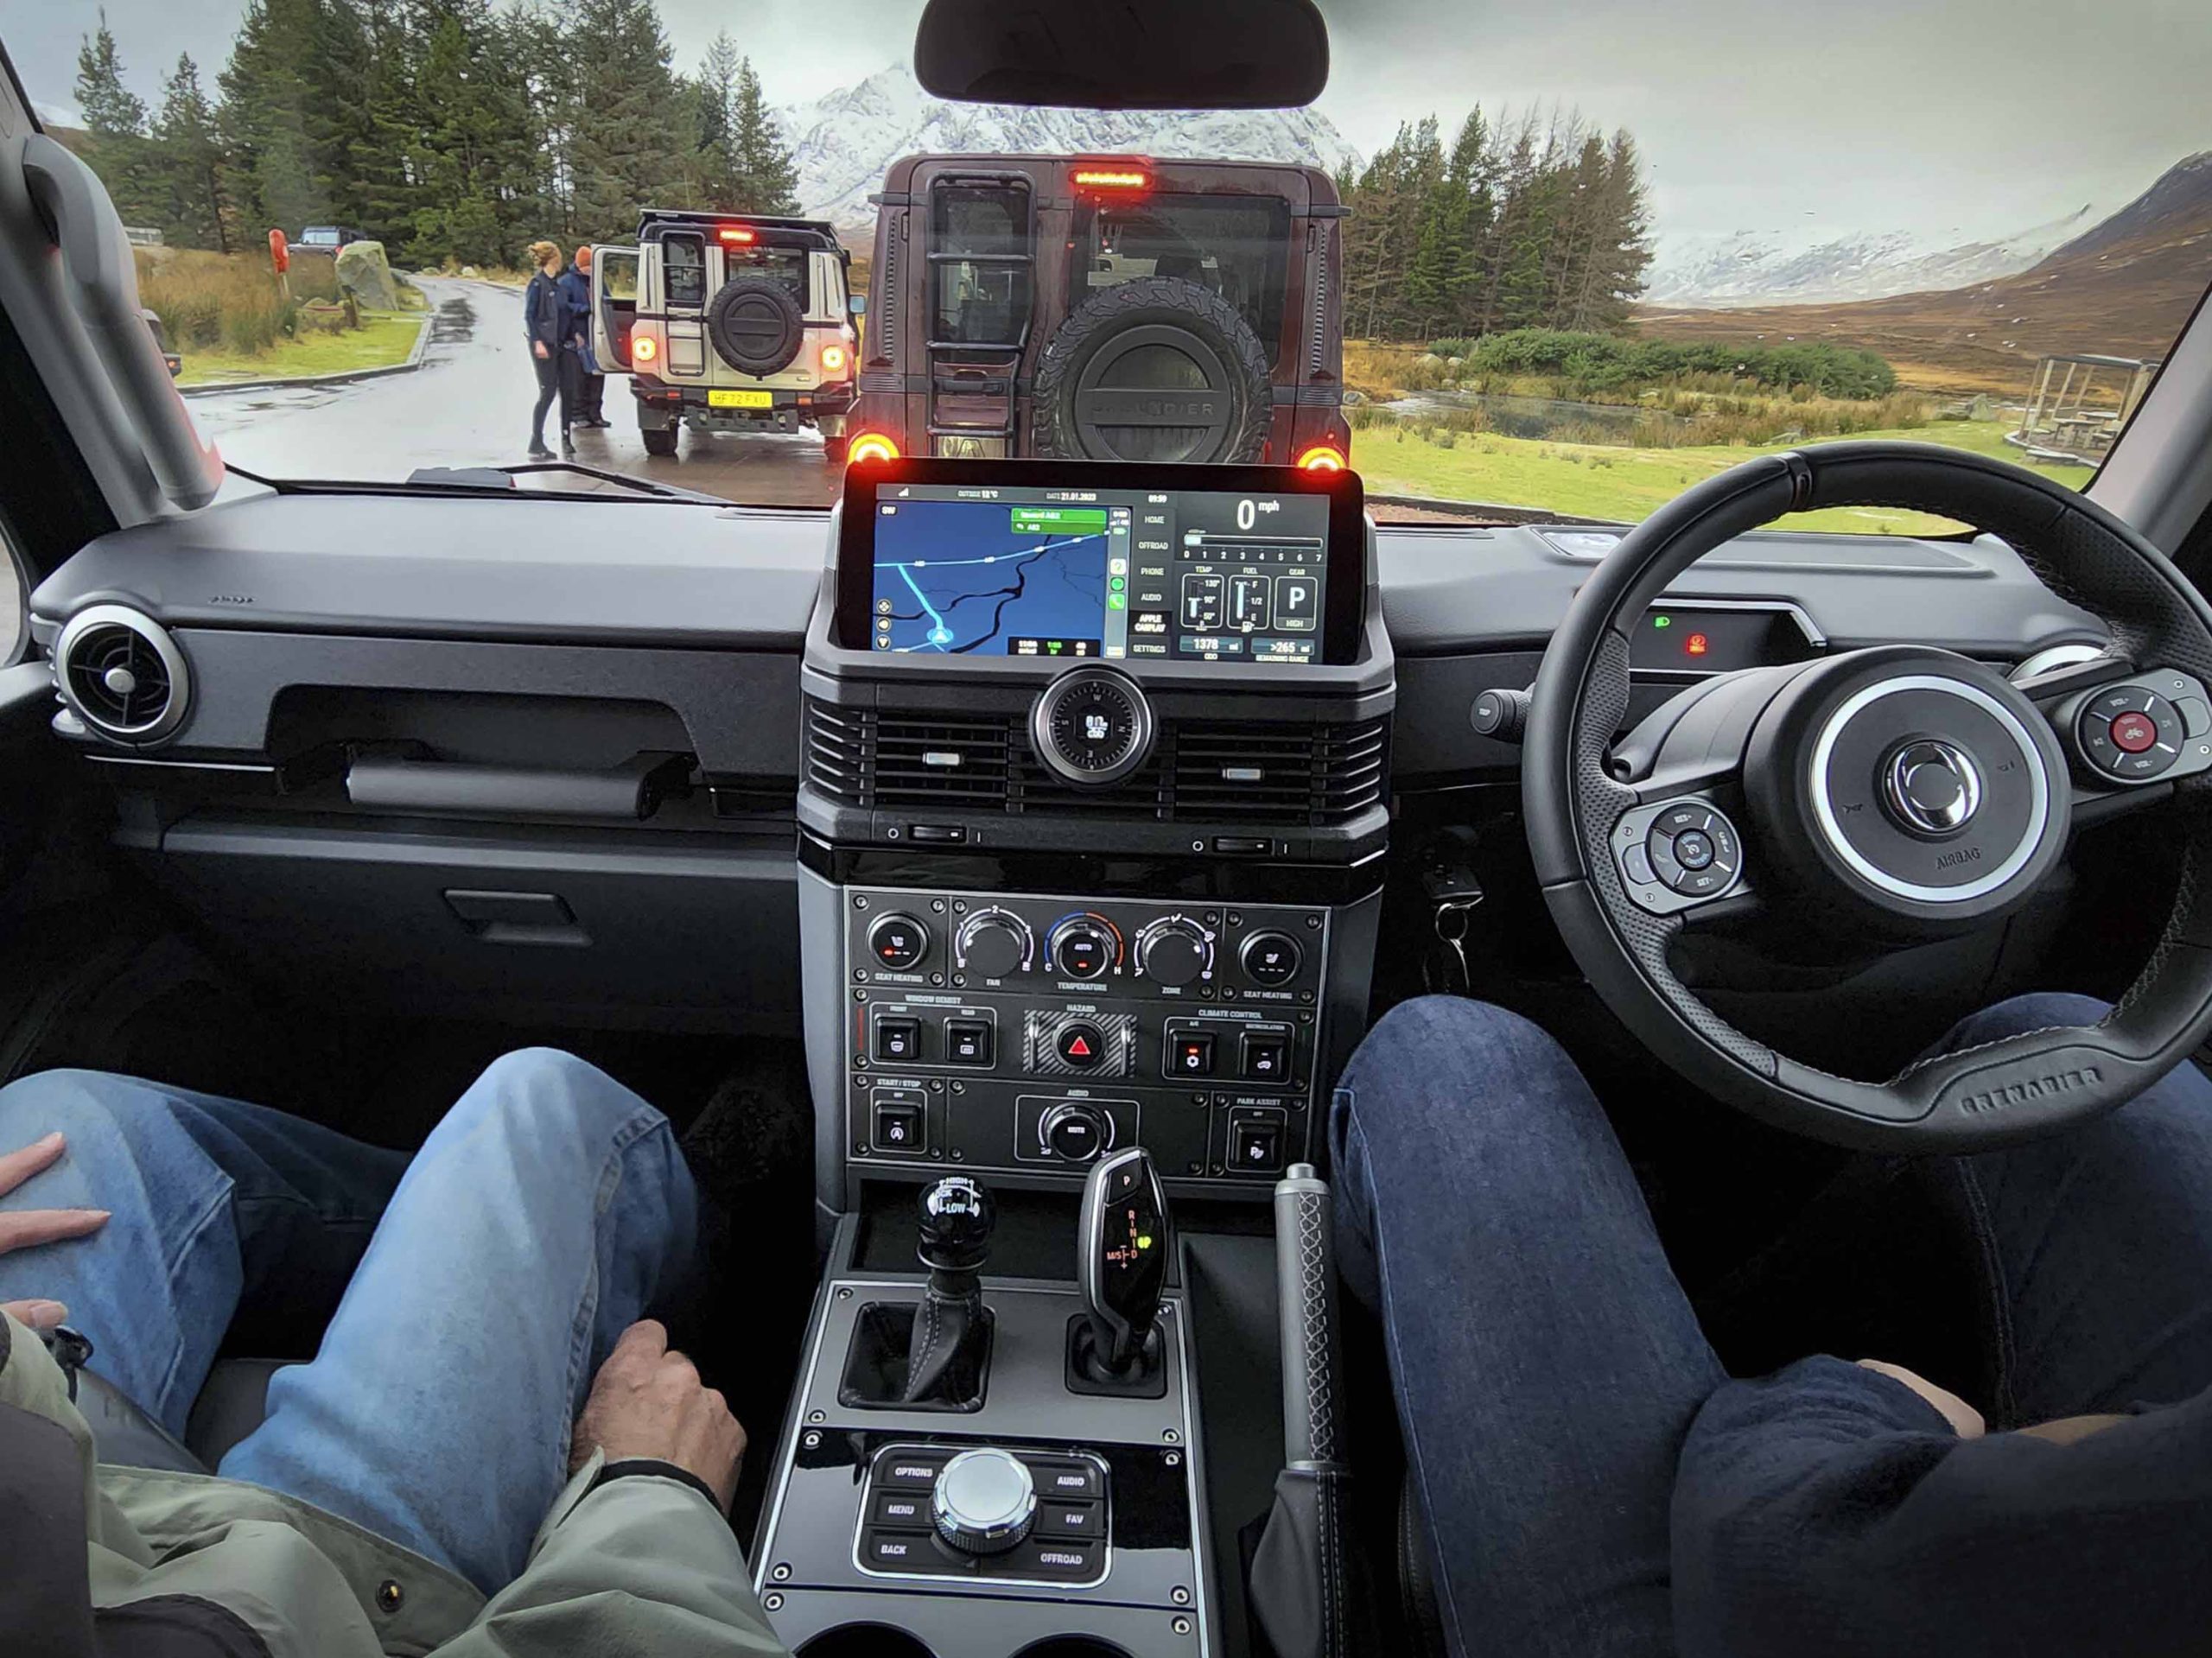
x: 469, y: 404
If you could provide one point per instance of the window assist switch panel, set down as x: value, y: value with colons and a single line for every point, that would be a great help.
x: 968, y: 1042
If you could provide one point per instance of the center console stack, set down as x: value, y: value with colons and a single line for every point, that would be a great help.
x: 1094, y: 792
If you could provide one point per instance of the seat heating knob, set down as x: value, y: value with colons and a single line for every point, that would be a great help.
x: 984, y: 1502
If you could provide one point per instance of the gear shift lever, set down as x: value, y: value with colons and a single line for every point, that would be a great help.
x: 944, y: 1361
x: 1121, y: 1250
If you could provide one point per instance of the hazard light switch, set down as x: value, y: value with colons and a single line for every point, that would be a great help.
x: 1080, y: 1045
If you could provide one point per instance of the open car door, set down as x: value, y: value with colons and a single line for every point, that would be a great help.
x: 613, y: 306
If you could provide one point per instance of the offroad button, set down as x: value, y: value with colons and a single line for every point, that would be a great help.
x: 2130, y: 735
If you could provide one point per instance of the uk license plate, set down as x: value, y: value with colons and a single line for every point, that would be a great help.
x: 740, y: 399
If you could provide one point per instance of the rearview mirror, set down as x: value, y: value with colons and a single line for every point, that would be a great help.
x: 857, y: 304
x: 1134, y: 54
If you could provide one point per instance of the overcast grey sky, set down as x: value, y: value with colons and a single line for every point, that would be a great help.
x: 1964, y: 118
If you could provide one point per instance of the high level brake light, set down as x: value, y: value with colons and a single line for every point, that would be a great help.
x: 871, y: 445
x: 1118, y: 177
x: 735, y: 234
x: 1321, y: 458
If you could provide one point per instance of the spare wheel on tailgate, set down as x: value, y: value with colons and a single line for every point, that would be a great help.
x: 1157, y: 368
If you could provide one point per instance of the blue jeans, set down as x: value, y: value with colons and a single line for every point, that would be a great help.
x: 1547, y: 1365
x: 483, y: 1282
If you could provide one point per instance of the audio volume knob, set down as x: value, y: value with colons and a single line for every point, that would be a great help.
x: 984, y: 1502
x: 1174, y: 950
x: 898, y: 942
x: 1076, y: 1132
x: 993, y: 945
x: 1083, y: 947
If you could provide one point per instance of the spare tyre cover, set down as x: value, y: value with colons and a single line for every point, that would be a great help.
x: 1158, y: 369
x: 755, y: 324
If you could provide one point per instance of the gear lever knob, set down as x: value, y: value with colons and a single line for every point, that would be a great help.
x: 957, y: 1214
x: 1122, y: 1246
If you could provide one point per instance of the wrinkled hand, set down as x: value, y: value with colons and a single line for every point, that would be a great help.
x: 647, y: 1402
x: 23, y: 1228
x: 1966, y: 1421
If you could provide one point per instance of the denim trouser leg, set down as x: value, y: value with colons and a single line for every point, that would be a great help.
x: 1546, y: 1361
x: 214, y: 1204
x: 1547, y: 1365
x: 540, y: 1219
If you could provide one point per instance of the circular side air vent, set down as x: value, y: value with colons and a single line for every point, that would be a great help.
x: 124, y: 675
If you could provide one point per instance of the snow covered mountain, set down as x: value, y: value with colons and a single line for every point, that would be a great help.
x: 1812, y: 266
x: 844, y: 141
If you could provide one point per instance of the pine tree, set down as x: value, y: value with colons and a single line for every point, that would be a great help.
x: 188, y: 155
x: 626, y: 146
x: 717, y: 176
x: 274, y: 171
x: 114, y: 124
x: 767, y: 180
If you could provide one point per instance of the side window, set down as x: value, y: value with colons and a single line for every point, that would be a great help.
x: 981, y: 264
x: 683, y: 270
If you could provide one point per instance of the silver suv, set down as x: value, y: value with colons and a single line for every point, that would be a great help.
x: 724, y: 321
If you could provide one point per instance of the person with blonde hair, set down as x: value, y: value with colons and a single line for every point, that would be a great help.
x: 544, y: 317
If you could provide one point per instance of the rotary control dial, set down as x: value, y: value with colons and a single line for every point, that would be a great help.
x: 1174, y: 951
x: 1085, y: 945
x: 993, y: 943
x: 1091, y: 727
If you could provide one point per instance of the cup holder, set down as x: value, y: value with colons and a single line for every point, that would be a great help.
x: 872, y: 1641
x: 1072, y: 1646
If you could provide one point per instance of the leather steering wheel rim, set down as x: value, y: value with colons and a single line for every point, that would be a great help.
x: 1998, y: 1093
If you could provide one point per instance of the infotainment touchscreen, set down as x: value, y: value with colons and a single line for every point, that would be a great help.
x: 1053, y: 570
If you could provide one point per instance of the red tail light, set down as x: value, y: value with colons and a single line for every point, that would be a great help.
x: 1322, y: 458
x: 735, y: 234
x: 645, y: 347
x: 871, y: 445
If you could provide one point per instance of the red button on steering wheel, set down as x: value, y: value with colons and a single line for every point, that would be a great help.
x: 2134, y: 734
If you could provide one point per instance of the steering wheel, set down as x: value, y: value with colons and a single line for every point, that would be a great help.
x: 1892, y: 794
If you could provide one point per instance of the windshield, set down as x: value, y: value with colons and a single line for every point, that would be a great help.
x: 1556, y: 267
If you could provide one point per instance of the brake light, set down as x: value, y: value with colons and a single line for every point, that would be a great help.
x: 1321, y: 458
x: 645, y: 348
x: 833, y: 359
x: 1113, y: 175
x: 871, y: 445
x: 735, y: 234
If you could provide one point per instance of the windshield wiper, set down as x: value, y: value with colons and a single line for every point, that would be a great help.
x: 477, y: 481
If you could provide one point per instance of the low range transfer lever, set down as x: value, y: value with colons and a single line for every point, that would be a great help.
x: 1121, y: 1246
x: 944, y: 1362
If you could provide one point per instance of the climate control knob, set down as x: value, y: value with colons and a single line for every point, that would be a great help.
x: 1083, y: 947
x: 1174, y: 951
x: 993, y: 944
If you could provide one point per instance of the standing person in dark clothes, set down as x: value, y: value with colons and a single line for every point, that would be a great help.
x: 589, y: 387
x: 545, y: 322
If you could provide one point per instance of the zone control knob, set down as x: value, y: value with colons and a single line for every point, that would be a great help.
x: 993, y: 944
x: 1174, y: 950
x: 984, y: 1502
x: 898, y: 942
x: 1083, y: 946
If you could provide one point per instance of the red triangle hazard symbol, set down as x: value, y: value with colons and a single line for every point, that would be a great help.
x: 1078, y: 1049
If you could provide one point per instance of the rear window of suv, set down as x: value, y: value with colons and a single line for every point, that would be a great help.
x: 980, y: 265
x: 1237, y: 246
x: 787, y: 265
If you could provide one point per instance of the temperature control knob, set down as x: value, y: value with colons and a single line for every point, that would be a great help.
x: 1083, y: 947
x: 993, y: 944
x: 1174, y: 950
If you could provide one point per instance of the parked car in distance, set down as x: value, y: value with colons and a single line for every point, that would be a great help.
x: 329, y: 236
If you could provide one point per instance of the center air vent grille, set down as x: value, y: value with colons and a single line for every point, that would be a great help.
x: 122, y: 674
x: 1201, y: 771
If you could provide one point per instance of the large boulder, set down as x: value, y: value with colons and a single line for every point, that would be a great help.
x: 364, y: 272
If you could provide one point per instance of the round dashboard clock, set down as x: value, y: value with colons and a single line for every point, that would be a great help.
x: 1091, y: 727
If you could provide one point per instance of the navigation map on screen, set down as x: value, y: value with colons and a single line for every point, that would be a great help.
x: 1210, y: 576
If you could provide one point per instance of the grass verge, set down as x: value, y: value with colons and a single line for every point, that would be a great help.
x: 383, y: 341
x: 1594, y: 481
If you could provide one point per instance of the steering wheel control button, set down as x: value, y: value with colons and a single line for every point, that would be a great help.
x: 2134, y: 734
x: 985, y: 1501
x: 1270, y: 959
x: 1676, y: 854
x: 1931, y: 788
x: 2130, y: 735
x: 898, y: 942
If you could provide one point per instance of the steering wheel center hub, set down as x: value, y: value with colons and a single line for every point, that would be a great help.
x: 1932, y: 788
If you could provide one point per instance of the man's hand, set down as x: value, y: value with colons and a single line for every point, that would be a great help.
x: 648, y: 1402
x: 538, y: 345
x: 22, y: 1229
x: 1966, y: 1421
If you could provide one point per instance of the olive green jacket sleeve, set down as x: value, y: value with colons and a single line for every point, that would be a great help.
x: 638, y: 1564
